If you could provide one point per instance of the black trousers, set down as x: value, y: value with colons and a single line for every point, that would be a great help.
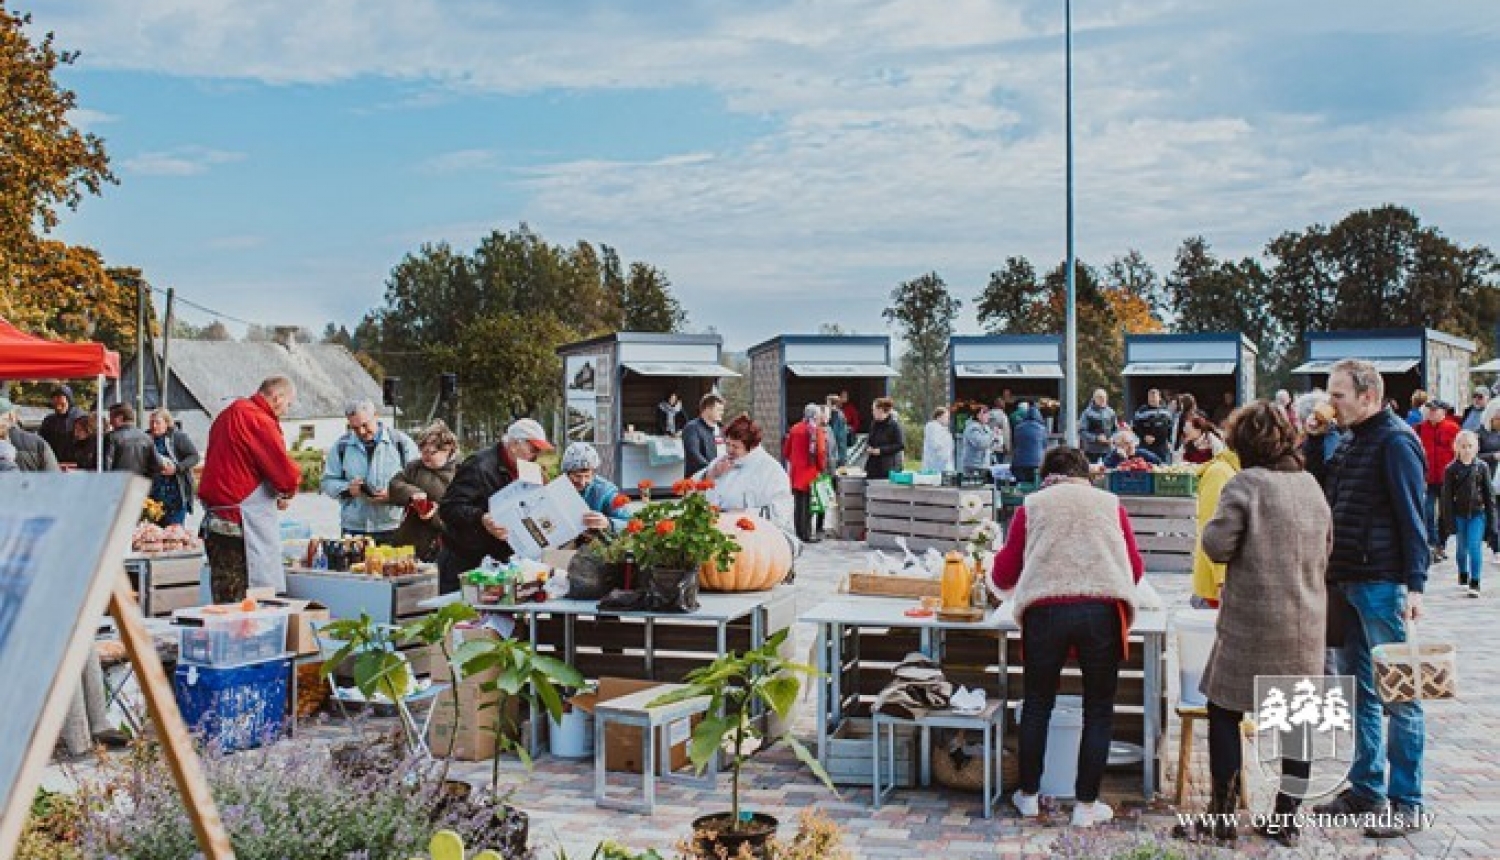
x: 802, y: 514
x: 1024, y: 474
x: 1226, y: 751
x: 1048, y: 634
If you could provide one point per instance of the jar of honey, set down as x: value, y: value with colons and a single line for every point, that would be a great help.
x: 957, y: 583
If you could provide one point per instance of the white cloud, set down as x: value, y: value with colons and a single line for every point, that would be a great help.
x: 181, y: 161
x: 88, y: 119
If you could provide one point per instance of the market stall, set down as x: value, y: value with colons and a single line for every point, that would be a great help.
x: 24, y: 357
x: 1016, y: 366
x: 612, y: 386
x: 1407, y: 358
x: 790, y: 371
x: 1207, y: 365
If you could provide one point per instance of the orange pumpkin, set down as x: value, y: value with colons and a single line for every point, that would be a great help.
x: 764, y: 559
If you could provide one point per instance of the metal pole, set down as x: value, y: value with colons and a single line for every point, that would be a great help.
x: 1070, y: 394
x: 140, y: 347
x: 165, y: 382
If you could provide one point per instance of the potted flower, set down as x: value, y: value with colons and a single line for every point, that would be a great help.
x: 672, y: 539
x: 740, y: 687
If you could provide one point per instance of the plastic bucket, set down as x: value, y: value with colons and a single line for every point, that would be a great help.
x: 574, y: 736
x: 1064, y: 737
x: 1194, y: 632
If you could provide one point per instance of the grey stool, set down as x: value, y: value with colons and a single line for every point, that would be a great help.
x: 632, y: 710
x: 990, y: 723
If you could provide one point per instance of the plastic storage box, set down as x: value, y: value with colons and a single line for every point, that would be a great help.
x: 234, y: 708
x: 1132, y: 483
x: 1176, y: 484
x: 235, y: 638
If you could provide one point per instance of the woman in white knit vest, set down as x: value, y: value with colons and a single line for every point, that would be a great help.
x: 1069, y: 568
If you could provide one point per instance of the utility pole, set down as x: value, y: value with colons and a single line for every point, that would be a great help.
x: 164, y: 378
x: 141, y: 356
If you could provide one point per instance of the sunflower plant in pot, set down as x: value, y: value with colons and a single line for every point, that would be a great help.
x: 742, y: 688
x: 671, y: 540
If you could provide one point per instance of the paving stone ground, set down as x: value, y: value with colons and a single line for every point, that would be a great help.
x: 1462, y: 771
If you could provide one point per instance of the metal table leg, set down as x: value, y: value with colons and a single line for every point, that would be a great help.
x: 534, y: 743
x: 825, y: 679
x: 1152, y: 711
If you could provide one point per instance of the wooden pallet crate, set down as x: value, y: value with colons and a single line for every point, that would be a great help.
x: 1166, y: 531
x: 927, y: 517
x: 166, y: 582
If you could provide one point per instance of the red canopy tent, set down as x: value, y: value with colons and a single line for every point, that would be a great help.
x: 26, y: 356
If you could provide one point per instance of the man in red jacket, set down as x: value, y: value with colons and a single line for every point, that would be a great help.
x: 247, y: 477
x: 1437, y: 433
x: 806, y: 456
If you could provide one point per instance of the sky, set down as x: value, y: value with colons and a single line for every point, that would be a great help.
x: 787, y: 162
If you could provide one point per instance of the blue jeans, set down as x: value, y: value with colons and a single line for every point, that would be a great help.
x: 1046, y: 637
x: 1434, y: 491
x: 1377, y: 620
x: 1470, y: 531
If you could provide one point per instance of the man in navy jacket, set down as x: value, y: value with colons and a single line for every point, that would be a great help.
x: 1375, y: 483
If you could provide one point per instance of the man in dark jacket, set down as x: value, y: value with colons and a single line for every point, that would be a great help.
x: 1375, y: 483
x: 127, y: 448
x: 703, y: 437
x: 32, y: 452
x: 471, y: 532
x: 57, y: 427
x: 1030, y: 435
x: 1153, y: 424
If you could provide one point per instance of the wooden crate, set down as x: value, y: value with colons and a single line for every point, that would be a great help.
x: 387, y: 600
x: 851, y: 753
x: 851, y: 507
x: 166, y: 582
x: 885, y: 585
x: 1166, y: 531
x: 927, y: 517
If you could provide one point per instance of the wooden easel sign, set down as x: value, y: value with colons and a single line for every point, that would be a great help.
x: 63, y: 539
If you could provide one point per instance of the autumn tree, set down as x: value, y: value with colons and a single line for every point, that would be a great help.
x: 46, y: 165
x: 923, y: 312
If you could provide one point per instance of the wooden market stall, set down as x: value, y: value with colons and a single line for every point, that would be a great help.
x: 1206, y: 365
x: 612, y: 385
x: 1407, y: 358
x: 789, y: 371
x: 984, y: 368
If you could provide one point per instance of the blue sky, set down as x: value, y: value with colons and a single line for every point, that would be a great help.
x: 787, y: 163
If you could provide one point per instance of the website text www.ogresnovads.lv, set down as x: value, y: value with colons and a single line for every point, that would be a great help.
x: 1386, y: 819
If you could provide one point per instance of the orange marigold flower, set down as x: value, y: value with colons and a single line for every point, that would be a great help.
x: 619, y: 501
x: 666, y: 527
x: 682, y: 488
x: 644, y: 485
x: 746, y: 524
x: 635, y: 527
x: 706, y: 484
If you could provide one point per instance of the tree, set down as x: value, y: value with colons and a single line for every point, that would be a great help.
x: 923, y: 311
x: 72, y: 296
x: 1135, y: 276
x: 45, y: 163
x: 649, y: 304
x: 1013, y: 301
x: 334, y: 333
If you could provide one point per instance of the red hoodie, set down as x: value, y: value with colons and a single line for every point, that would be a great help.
x: 245, y: 449
x: 1437, y: 443
x: 797, y: 451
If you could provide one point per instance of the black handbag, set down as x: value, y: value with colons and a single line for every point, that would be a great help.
x: 672, y: 590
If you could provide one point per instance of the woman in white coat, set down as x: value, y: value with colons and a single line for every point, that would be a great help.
x: 748, y: 478
x: 937, y: 443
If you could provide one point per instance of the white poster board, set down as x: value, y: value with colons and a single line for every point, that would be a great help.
x: 63, y: 539
x: 538, y: 517
x: 1448, y: 383
x: 582, y: 375
x: 583, y: 420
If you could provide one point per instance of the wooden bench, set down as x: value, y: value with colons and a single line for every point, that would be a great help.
x: 655, y: 723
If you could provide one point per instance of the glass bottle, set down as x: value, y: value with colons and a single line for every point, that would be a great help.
x: 979, y: 597
x: 627, y: 570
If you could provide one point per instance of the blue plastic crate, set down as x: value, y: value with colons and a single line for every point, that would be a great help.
x: 235, y: 708
x: 1132, y: 483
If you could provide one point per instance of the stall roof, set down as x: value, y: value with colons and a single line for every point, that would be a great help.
x: 643, y: 337
x: 1182, y: 368
x: 1382, y: 365
x: 1491, y: 366
x: 846, y: 371
x: 26, y: 356
x: 680, y: 368
x: 1003, y: 370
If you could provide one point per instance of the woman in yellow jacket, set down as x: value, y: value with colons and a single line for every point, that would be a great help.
x: 1208, y: 577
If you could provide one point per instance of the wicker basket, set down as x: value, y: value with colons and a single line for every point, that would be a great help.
x: 1400, y: 665
x: 966, y: 772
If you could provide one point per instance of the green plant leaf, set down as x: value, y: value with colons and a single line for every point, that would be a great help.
x: 708, y: 738
x: 511, y: 681
x: 780, y: 692
x: 549, y: 697
x: 806, y: 757
x: 559, y: 672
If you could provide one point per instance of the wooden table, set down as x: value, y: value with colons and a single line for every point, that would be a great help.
x: 846, y: 617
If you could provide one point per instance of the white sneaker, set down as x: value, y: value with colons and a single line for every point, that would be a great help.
x: 1029, y: 805
x: 1089, y: 814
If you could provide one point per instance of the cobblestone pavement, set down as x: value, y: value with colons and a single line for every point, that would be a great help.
x: 1462, y: 772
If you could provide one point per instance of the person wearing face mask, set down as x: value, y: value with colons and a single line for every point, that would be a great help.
x: 418, y: 488
x: 472, y: 533
x: 580, y: 462
x: 359, y: 470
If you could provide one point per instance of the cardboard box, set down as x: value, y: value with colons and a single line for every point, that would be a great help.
x: 470, y: 743
x: 304, y: 613
x: 622, y: 744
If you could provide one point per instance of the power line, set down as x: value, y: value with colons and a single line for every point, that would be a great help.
x: 177, y: 297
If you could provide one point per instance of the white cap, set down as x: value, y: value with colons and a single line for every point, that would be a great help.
x: 528, y: 430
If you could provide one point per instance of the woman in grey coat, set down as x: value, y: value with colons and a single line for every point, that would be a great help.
x: 978, y: 438
x: 1273, y: 530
